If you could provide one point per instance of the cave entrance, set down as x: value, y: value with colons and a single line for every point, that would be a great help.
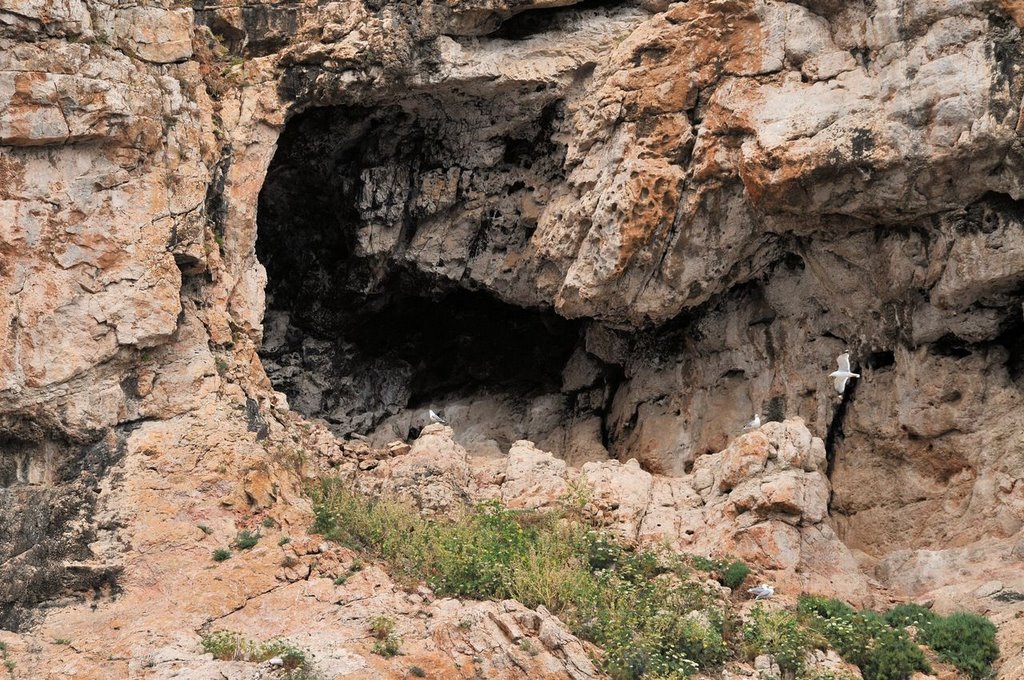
x: 367, y: 335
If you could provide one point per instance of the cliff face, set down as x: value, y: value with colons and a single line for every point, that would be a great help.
x: 613, y: 228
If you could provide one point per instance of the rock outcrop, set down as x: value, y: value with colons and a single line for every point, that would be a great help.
x: 671, y: 216
x: 763, y: 499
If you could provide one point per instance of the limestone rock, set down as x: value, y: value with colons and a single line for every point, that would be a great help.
x: 154, y: 35
x: 722, y: 196
x: 533, y: 478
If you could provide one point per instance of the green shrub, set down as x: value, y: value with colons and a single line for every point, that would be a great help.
x: 734, y: 574
x: 227, y: 645
x: 825, y: 607
x: 967, y: 641
x: 382, y: 626
x: 703, y: 563
x: 388, y: 647
x: 221, y: 554
x: 246, y: 539
x: 780, y: 634
x: 729, y: 572
x: 903, y: 615
x: 864, y: 639
x: 417, y: 672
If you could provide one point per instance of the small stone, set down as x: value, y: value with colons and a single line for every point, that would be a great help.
x: 988, y: 589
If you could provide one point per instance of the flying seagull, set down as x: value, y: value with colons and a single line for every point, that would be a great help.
x: 434, y: 418
x: 843, y: 375
x: 761, y: 592
x: 754, y: 423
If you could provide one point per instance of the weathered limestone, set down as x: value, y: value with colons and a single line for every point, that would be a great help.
x: 725, y: 193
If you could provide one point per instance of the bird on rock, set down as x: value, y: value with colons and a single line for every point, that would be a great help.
x: 754, y: 423
x: 843, y: 375
x: 434, y: 418
x: 761, y: 592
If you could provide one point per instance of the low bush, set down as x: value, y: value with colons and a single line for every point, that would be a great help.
x: 864, y: 639
x: 728, y: 572
x: 967, y: 641
x: 903, y: 615
x: 227, y: 645
x: 781, y: 634
x: 221, y: 554
x: 734, y: 574
x: 246, y: 539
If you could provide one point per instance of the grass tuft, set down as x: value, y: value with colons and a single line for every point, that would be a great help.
x: 246, y: 539
x: 226, y: 645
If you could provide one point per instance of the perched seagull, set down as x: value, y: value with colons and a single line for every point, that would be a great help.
x: 761, y: 592
x: 434, y: 418
x: 755, y: 423
x: 840, y: 377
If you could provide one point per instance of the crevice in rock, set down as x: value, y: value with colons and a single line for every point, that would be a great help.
x: 250, y: 30
x: 531, y: 22
x: 835, y: 435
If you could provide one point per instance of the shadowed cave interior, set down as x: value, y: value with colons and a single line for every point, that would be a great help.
x: 359, y: 336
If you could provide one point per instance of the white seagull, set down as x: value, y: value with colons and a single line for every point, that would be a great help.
x: 434, y: 418
x: 761, y: 592
x: 754, y: 423
x: 843, y: 375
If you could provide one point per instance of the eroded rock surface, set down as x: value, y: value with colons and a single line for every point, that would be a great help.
x: 717, y: 197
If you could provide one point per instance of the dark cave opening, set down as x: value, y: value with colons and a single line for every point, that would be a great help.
x: 364, y: 335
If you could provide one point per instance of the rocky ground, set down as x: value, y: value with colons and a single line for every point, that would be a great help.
x: 232, y: 233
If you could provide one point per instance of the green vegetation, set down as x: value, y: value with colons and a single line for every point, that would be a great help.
x: 246, y: 539
x: 903, y: 615
x: 640, y: 606
x: 967, y: 641
x: 781, y: 634
x: 734, y: 574
x: 417, y: 672
x: 226, y: 645
x: 388, y: 642
x: 268, y: 523
x: 8, y: 661
x: 205, y: 529
x: 730, y: 573
x: 643, y: 608
x: 353, y: 568
x: 284, y: 540
x: 221, y: 554
x: 881, y: 651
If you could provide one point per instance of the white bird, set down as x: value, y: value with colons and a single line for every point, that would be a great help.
x: 840, y: 377
x: 754, y: 423
x: 276, y: 661
x: 434, y: 418
x: 761, y: 592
